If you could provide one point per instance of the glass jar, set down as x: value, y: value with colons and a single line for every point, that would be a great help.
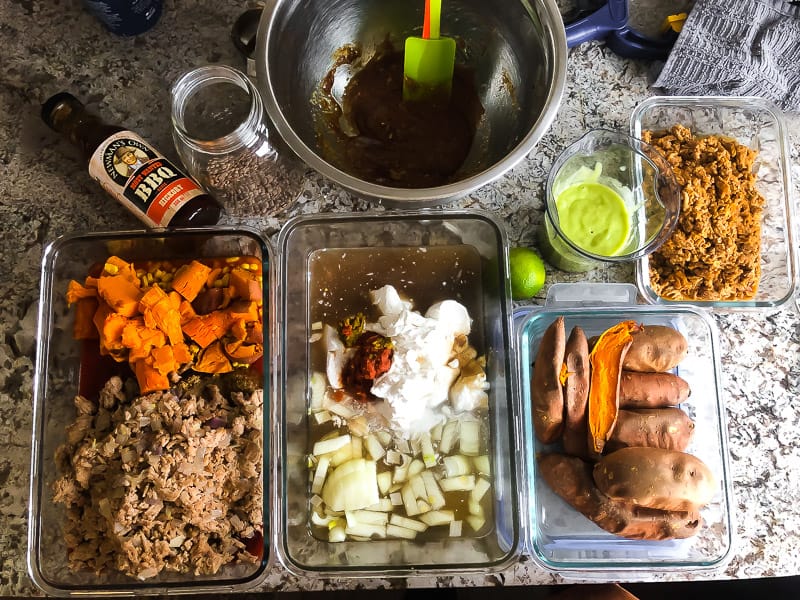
x: 221, y: 135
x: 609, y: 198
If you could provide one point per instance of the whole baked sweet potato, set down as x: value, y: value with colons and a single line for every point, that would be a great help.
x: 670, y: 428
x: 576, y: 394
x: 571, y: 478
x: 652, y: 390
x: 546, y: 394
x: 655, y: 348
x: 655, y: 478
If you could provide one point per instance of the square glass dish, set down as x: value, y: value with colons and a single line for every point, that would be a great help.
x: 144, y: 480
x: 436, y: 484
x: 758, y: 125
x: 566, y: 540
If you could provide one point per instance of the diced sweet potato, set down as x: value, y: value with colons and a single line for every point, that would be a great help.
x: 120, y: 294
x: 247, y: 284
x: 190, y: 279
x: 213, y: 360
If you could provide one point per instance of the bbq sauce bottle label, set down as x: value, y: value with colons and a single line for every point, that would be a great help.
x: 141, y: 178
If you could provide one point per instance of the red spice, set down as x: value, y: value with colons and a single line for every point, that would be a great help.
x: 372, y: 358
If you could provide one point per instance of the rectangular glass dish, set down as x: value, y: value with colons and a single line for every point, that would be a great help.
x: 330, y: 264
x: 758, y: 125
x: 127, y: 440
x: 561, y: 539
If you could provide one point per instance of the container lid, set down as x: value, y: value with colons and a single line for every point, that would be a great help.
x: 559, y: 537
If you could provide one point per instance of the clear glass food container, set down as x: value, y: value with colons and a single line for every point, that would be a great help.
x: 563, y: 540
x: 224, y: 140
x: 329, y: 265
x: 66, y: 367
x: 616, y: 193
x: 759, y: 125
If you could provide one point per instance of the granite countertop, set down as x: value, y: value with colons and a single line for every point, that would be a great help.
x: 45, y: 192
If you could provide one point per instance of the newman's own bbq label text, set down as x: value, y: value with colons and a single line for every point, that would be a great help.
x: 141, y: 178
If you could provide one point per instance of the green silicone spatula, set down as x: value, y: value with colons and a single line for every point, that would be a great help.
x: 428, y: 60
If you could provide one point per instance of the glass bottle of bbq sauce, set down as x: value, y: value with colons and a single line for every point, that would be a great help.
x: 131, y: 170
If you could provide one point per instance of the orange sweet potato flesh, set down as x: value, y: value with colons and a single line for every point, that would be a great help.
x: 606, y: 367
x: 159, y: 311
x: 546, y: 394
x: 149, y: 378
x: 213, y: 360
x: 206, y: 329
x: 158, y: 331
x: 571, y: 478
x: 76, y: 291
x: 120, y: 294
x: 246, y: 283
x: 190, y: 279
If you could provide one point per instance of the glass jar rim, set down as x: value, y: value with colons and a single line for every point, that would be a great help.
x: 188, y: 84
x: 663, y: 171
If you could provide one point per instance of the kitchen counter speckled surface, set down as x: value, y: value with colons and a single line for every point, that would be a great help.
x: 48, y: 46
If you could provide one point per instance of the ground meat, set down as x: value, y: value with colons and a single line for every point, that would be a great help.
x: 715, y: 251
x: 162, y: 482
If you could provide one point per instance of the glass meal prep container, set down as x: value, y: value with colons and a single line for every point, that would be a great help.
x: 437, y: 485
x: 561, y: 539
x: 759, y: 125
x: 220, y: 428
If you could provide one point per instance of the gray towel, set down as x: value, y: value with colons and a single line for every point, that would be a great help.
x: 737, y: 48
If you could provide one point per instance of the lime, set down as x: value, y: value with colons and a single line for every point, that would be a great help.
x: 526, y: 272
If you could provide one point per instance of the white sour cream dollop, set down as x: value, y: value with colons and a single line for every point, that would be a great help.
x: 418, y: 382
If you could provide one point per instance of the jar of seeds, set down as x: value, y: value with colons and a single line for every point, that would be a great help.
x: 222, y: 136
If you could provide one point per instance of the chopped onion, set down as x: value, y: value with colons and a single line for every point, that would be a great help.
x: 462, y: 483
x: 396, y: 531
x: 481, y: 487
x: 401, y: 521
x: 455, y: 528
x: 437, y: 517
x: 331, y: 444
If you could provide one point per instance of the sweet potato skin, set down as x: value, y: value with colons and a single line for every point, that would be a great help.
x: 571, y: 478
x: 652, y: 390
x: 546, y: 393
x: 670, y: 428
x: 655, y: 478
x: 655, y: 348
x: 576, y: 394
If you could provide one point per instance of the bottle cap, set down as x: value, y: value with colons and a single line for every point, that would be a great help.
x: 55, y: 103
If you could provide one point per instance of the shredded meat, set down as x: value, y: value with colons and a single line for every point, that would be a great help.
x: 715, y: 251
x: 162, y: 482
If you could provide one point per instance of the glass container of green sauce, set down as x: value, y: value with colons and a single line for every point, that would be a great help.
x: 610, y: 198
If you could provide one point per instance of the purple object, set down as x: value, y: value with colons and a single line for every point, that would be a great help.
x: 610, y: 22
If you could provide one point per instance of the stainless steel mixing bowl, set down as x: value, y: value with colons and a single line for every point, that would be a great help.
x: 516, y: 49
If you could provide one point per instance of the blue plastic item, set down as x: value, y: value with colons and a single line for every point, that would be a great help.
x: 126, y: 17
x: 610, y: 22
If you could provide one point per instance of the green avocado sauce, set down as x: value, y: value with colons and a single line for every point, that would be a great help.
x: 594, y: 217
